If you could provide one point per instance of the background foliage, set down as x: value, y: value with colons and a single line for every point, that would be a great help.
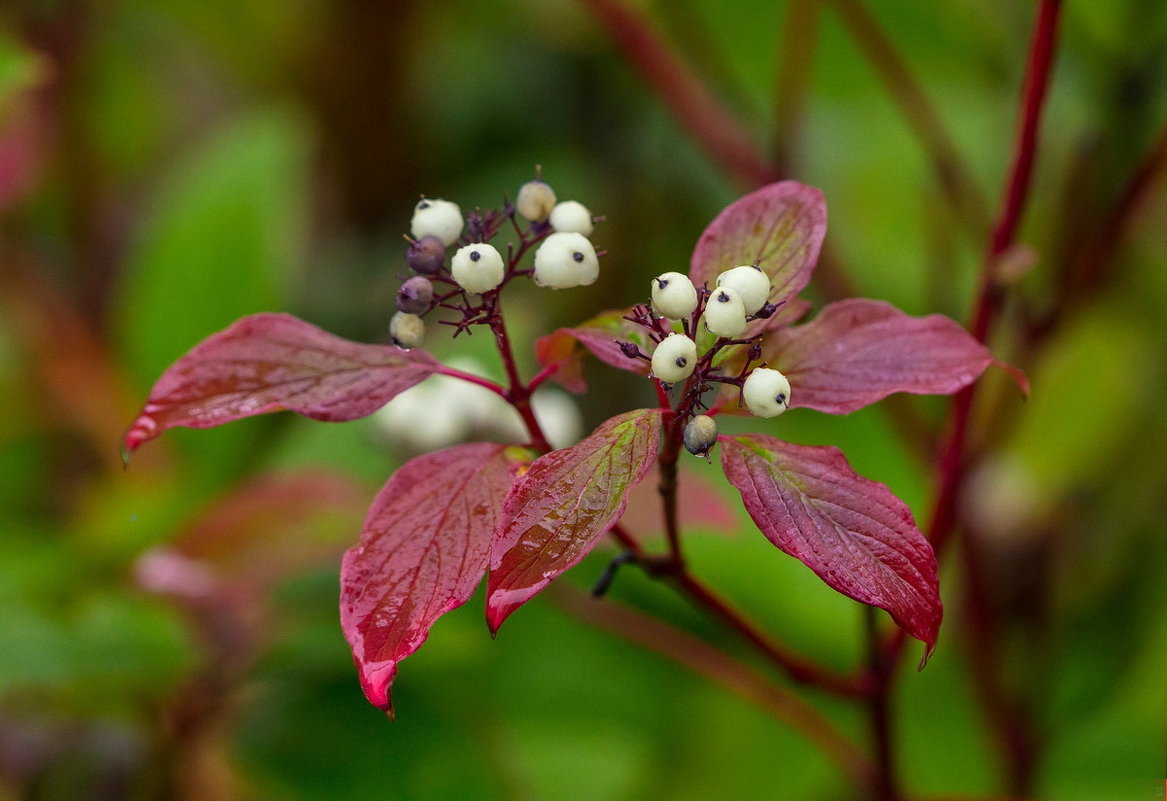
x: 166, y: 167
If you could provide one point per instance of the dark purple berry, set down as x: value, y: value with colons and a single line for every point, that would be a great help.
x: 426, y: 256
x: 415, y: 295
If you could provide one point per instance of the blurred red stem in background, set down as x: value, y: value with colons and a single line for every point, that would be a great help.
x: 696, y: 107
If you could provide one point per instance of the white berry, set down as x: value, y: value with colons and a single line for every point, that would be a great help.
x: 751, y: 283
x: 571, y: 216
x: 766, y: 392
x: 536, y: 200
x: 437, y: 218
x: 725, y: 315
x: 565, y: 260
x: 477, y: 267
x: 406, y: 330
x: 674, y: 358
x: 673, y: 295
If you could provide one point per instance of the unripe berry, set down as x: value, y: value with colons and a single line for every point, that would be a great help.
x: 751, y: 283
x: 572, y: 217
x: 406, y: 330
x: 536, y: 200
x: 438, y: 218
x: 673, y: 295
x: 725, y: 315
x: 766, y: 392
x: 565, y: 260
x: 477, y: 267
x: 700, y: 435
x: 415, y: 295
x: 674, y: 358
x: 426, y: 255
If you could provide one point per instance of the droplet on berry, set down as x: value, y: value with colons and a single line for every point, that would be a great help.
x: 700, y: 435
x: 406, y: 330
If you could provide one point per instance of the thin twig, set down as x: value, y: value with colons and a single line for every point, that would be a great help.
x: 792, y: 665
x: 695, y: 106
x: 707, y: 661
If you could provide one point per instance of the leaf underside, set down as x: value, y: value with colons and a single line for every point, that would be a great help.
x: 854, y: 533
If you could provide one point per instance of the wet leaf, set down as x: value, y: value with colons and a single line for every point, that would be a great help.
x: 856, y: 352
x: 852, y: 532
x: 780, y: 226
x: 563, y: 504
x: 423, y: 550
x: 269, y: 362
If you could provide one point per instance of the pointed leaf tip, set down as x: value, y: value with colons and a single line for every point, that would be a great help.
x: 423, y: 550
x: 557, y: 511
x: 854, y: 533
x: 272, y: 362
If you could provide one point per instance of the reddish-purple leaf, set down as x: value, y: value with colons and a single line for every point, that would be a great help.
x: 852, y: 532
x: 422, y: 552
x: 268, y: 362
x: 858, y: 351
x: 781, y: 226
x: 560, y: 348
x: 563, y: 504
x: 602, y: 336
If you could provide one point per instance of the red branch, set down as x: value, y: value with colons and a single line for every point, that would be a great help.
x: 691, y: 101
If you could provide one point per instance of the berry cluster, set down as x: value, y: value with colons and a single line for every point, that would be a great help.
x: 477, y: 270
x: 673, y: 319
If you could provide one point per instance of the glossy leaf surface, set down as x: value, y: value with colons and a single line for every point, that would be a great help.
x: 269, y: 362
x: 423, y: 550
x: 563, y: 504
x: 781, y: 226
x: 852, y: 532
x: 858, y: 351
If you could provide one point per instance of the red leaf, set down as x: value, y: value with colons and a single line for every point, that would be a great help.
x: 781, y: 226
x: 559, y: 347
x: 602, y: 336
x: 268, y: 362
x: 422, y: 552
x: 563, y: 504
x: 852, y: 532
x: 858, y: 351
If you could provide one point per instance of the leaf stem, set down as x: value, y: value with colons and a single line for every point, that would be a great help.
x: 470, y: 378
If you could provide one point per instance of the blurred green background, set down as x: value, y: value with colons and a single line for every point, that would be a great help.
x: 167, y: 166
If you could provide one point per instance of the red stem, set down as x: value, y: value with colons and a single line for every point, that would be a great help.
x: 470, y: 378
x: 691, y: 101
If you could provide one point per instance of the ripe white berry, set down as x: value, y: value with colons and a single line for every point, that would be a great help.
x: 751, y: 283
x: 536, y: 200
x: 725, y: 315
x: 437, y: 218
x: 766, y: 392
x: 406, y: 330
x: 673, y: 295
x: 700, y: 435
x: 674, y: 358
x: 565, y: 260
x: 477, y: 267
x: 571, y: 216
